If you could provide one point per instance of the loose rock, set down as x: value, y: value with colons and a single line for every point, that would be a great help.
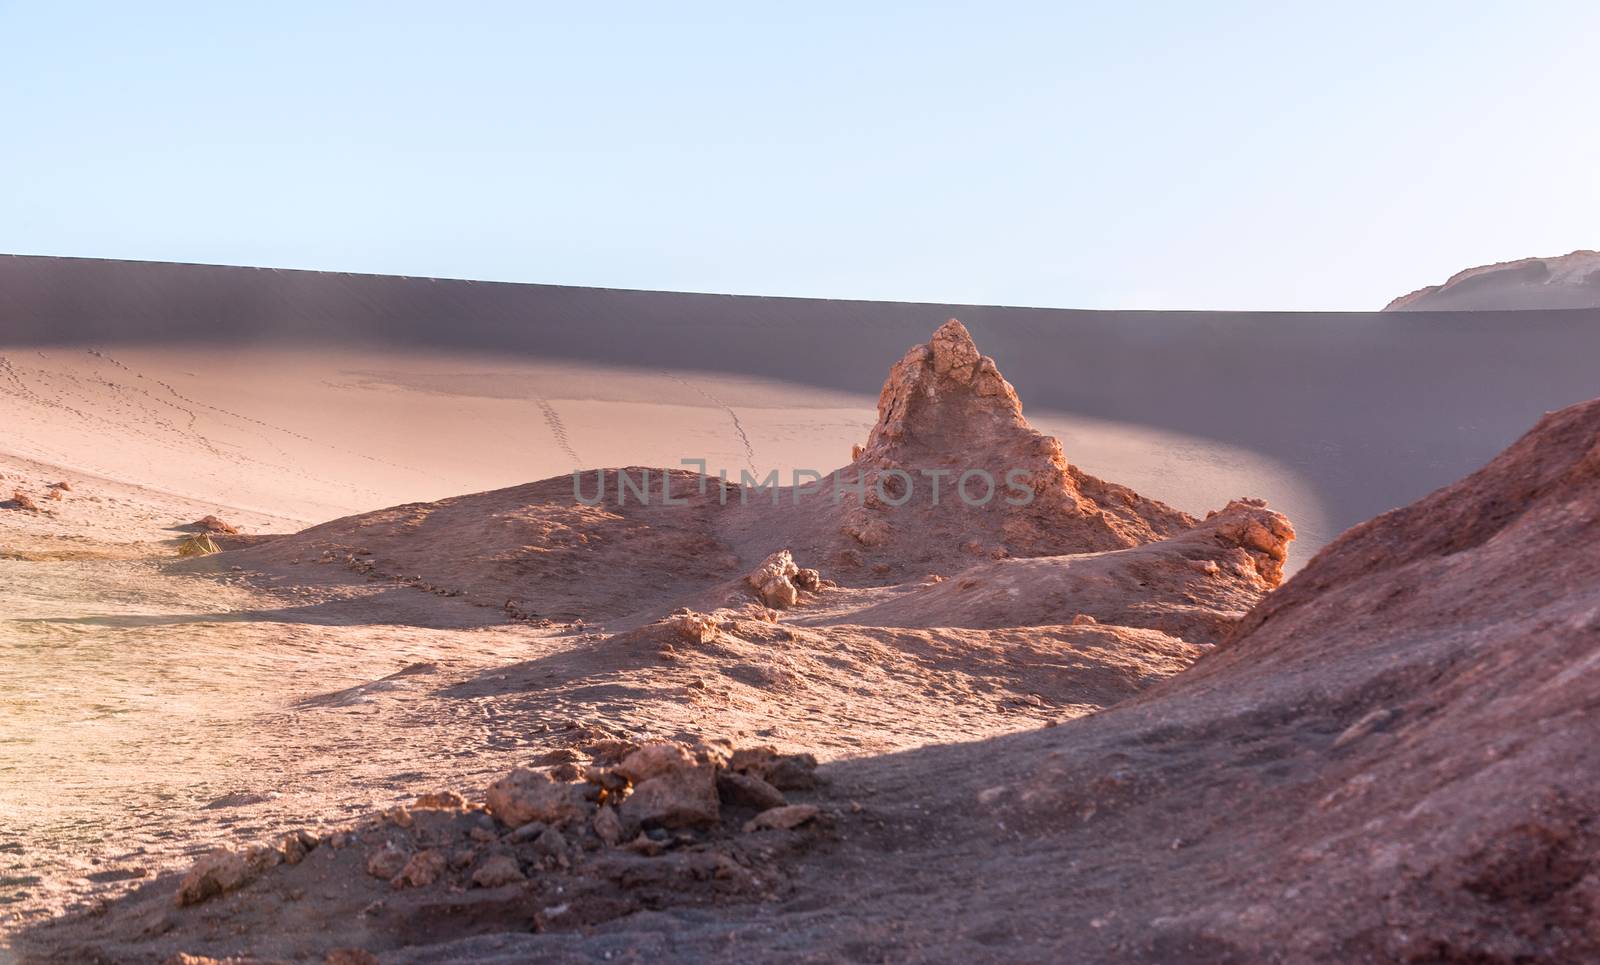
x: 607, y: 826
x: 499, y: 870
x: 423, y: 869
x: 387, y: 861
x: 523, y: 796
x: 778, y: 581
x: 748, y: 790
x: 782, y: 819
x: 673, y: 788
x: 214, y: 874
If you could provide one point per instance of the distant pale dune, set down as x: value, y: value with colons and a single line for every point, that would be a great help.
x: 1567, y: 281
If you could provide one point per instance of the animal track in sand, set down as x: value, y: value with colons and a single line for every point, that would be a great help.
x: 552, y: 418
x: 744, y: 437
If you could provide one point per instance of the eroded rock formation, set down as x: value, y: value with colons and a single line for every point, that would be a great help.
x: 952, y: 451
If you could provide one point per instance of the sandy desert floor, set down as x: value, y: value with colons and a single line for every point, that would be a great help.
x: 152, y: 714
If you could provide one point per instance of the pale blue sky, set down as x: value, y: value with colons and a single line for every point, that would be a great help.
x: 1140, y: 155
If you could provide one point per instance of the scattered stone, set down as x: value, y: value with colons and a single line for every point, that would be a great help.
x: 552, y: 844
x: 423, y: 869
x: 387, y: 861
x: 527, y: 832
x: 21, y: 500
x: 239, y: 799
x: 502, y: 869
x: 211, y: 524
x: 693, y: 627
x: 296, y: 845
x: 786, y: 772
x: 646, y: 845
x: 524, y: 796
x: 62, y: 486
x: 607, y: 826
x: 778, y: 581
x: 568, y: 772
x: 217, y: 873
x: 610, y: 750
x: 782, y: 819
x: 654, y: 760
x: 440, y: 801
x: 673, y: 787
x: 748, y: 790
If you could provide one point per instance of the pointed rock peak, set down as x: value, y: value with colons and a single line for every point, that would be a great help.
x: 947, y: 412
x: 942, y: 391
x: 952, y: 347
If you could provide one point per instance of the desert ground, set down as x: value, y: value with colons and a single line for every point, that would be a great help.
x: 425, y: 706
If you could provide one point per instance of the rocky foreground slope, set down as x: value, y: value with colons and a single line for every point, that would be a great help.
x: 1388, y: 758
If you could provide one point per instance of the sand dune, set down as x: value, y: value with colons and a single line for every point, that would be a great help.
x: 308, y: 395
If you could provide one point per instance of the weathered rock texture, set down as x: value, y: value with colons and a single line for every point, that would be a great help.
x: 1195, y: 586
x: 779, y: 581
x: 946, y: 415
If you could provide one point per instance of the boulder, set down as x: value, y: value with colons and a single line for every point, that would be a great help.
x: 296, y: 845
x: 501, y: 869
x: 387, y: 861
x: 672, y: 787
x: 218, y: 873
x: 691, y: 627
x: 607, y: 826
x: 524, y: 796
x: 423, y: 869
x: 774, y: 580
x: 786, y: 772
x: 784, y: 818
x: 748, y: 790
x: 440, y: 801
x: 212, y: 524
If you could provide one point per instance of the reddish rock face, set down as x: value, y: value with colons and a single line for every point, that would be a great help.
x: 525, y: 796
x: 673, y: 787
x: 946, y: 415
